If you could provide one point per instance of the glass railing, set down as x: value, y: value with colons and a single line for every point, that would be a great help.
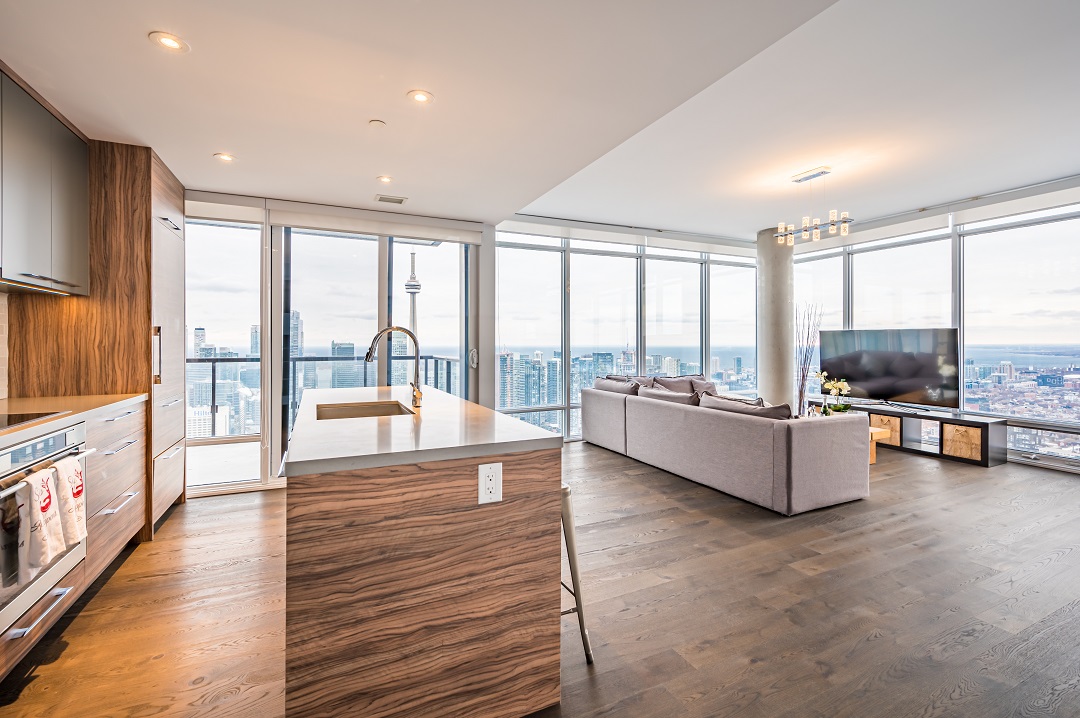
x: 224, y: 397
x: 322, y: 372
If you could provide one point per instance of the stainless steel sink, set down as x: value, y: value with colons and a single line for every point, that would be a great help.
x: 361, y: 409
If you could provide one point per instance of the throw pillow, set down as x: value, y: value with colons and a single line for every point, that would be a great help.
x: 735, y: 397
x: 684, y: 384
x: 782, y: 411
x: 617, y: 386
x: 703, y: 386
x: 677, y: 397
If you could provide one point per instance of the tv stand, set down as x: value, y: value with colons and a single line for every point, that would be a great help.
x: 952, y: 435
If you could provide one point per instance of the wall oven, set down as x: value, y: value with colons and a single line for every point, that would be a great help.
x: 22, y: 460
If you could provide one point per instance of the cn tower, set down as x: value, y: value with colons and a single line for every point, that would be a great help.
x: 413, y: 288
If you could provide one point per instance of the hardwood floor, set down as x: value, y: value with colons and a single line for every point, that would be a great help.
x: 192, y: 624
x: 952, y: 591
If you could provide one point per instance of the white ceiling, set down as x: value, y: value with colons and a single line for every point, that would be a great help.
x: 911, y: 102
x: 527, y: 94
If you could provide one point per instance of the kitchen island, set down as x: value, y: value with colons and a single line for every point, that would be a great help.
x: 404, y: 595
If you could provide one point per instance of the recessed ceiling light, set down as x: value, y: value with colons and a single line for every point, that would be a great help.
x: 385, y: 179
x: 376, y: 123
x: 168, y: 41
x: 225, y: 156
x: 422, y: 96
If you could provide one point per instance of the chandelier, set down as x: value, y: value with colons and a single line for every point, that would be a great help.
x: 812, y: 229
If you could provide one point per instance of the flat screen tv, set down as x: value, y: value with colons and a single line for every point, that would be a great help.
x: 910, y: 366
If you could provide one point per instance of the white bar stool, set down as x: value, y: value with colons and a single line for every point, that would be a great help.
x: 571, y: 554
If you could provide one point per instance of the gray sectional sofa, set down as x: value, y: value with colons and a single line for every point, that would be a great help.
x: 789, y: 466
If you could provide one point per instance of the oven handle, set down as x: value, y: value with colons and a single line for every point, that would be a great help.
x: 61, y: 594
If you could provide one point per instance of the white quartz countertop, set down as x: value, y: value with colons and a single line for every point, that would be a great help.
x: 444, y: 427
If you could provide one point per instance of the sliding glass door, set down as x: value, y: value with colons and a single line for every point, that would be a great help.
x: 330, y: 312
x: 224, y: 355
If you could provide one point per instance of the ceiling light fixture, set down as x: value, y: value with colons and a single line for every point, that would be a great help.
x: 422, y: 96
x: 385, y: 179
x: 786, y: 233
x: 168, y: 41
x: 225, y: 156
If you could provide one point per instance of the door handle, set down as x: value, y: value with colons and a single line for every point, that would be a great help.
x: 157, y: 355
x: 169, y: 222
x: 130, y: 497
x: 127, y: 444
x: 171, y: 403
x: 125, y: 415
x: 173, y: 453
x: 61, y: 594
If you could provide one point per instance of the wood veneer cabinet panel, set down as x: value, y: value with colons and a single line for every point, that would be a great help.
x: 104, y: 343
x: 406, y: 598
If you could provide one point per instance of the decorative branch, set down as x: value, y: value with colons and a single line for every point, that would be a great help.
x: 807, y: 324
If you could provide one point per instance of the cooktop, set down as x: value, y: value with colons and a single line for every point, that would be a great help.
x: 9, y: 420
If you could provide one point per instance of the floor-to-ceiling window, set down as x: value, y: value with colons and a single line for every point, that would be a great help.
x: 437, y: 292
x: 603, y: 320
x: 819, y: 285
x: 224, y: 353
x: 672, y: 317
x: 599, y: 304
x: 1021, y: 330
x: 333, y: 311
x: 733, y: 327
x: 528, y: 334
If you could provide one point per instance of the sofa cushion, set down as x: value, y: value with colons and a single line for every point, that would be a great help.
x: 663, y: 394
x: 735, y: 397
x: 639, y: 380
x: 684, y: 384
x: 616, y: 385
x: 781, y: 411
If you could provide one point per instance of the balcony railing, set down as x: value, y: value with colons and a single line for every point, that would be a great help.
x: 438, y: 371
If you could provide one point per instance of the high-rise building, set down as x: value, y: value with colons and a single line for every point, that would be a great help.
x: 296, y: 334
x: 671, y: 366
x: 738, y: 365
x: 200, y: 339
x: 344, y: 373
x: 400, y: 369
x: 505, y: 379
x: 553, y: 382
x: 256, y: 345
x: 311, y: 377
x: 1008, y: 370
x: 228, y: 371
x: 604, y: 363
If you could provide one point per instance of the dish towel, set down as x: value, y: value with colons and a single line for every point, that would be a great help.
x: 69, y: 487
x: 13, y: 517
x: 46, y: 531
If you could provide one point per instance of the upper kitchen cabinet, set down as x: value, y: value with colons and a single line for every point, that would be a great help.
x: 44, y: 197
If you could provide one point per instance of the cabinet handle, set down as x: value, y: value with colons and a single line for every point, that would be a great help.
x: 175, y: 451
x: 130, y: 497
x: 169, y: 222
x: 127, y: 444
x: 125, y: 415
x: 157, y: 355
x: 171, y: 403
x: 36, y: 276
x: 60, y: 594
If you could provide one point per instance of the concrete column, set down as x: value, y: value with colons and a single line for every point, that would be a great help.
x: 775, y: 320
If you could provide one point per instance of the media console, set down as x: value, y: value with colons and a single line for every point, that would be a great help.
x: 957, y: 436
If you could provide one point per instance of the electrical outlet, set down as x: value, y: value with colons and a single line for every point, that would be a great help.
x: 490, y: 483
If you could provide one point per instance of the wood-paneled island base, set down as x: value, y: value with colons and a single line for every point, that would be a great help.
x: 404, y: 597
